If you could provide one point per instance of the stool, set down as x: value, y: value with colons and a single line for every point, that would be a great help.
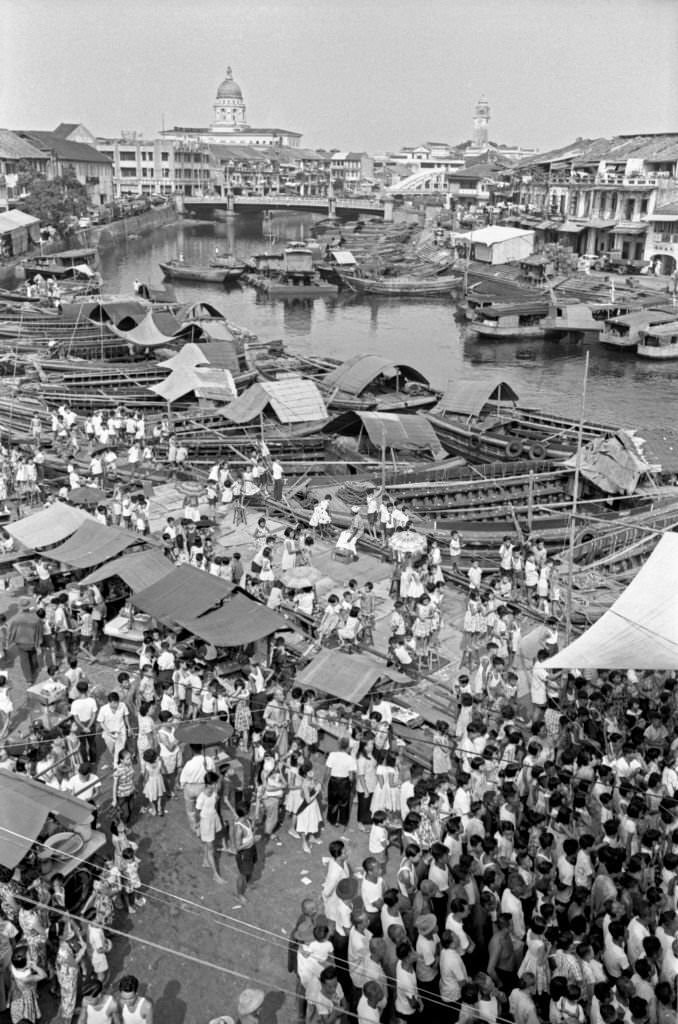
x: 342, y: 555
x: 433, y: 655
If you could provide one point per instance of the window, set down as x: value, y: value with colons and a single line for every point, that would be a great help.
x: 643, y: 206
x: 164, y: 156
x: 128, y: 154
x: 128, y: 172
x: 145, y: 155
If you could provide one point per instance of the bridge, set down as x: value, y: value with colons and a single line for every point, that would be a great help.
x: 205, y: 206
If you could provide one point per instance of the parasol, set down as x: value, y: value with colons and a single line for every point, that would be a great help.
x: 87, y: 496
x: 203, y: 734
x: 408, y: 542
x: 304, y: 576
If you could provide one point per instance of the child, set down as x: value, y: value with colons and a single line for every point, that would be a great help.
x: 86, y: 629
x: 398, y: 627
x: 131, y: 883
x: 73, y: 675
x: 378, y: 839
x: 98, y: 946
x: 368, y: 605
x: 154, y: 787
x: 210, y: 823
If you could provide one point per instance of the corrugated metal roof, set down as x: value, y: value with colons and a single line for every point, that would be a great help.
x: 295, y: 400
x: 349, y: 677
x: 183, y: 588
x: 403, y: 433
x: 93, y: 543
x: 14, y: 147
x: 468, y: 397
x: 139, y: 570
x: 493, y: 235
x: 238, y: 621
x: 356, y: 373
x: 49, y: 526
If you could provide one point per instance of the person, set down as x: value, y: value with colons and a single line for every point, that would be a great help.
x: 26, y: 634
x: 309, y: 817
x: 97, y: 946
x: 326, y: 1001
x: 113, y: 718
x: 338, y: 869
x: 154, y: 786
x: 407, y: 1002
x: 250, y: 1002
x: 244, y: 844
x: 192, y: 782
x: 97, y: 1007
x: 134, y: 1009
x: 278, y: 478
x: 207, y: 806
x: 26, y: 977
x: 124, y: 786
x: 339, y: 777
x: 70, y: 952
x: 371, y: 1003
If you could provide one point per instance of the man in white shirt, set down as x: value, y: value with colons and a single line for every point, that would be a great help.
x: 84, y: 710
x: 371, y: 1003
x: 278, y: 479
x: 511, y: 903
x: 340, y: 772
x: 192, y: 781
x: 538, y: 680
x: 112, y: 718
x: 84, y: 784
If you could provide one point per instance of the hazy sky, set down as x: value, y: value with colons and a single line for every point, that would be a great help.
x: 355, y: 74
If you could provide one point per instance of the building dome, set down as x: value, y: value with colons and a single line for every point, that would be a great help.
x: 229, y: 90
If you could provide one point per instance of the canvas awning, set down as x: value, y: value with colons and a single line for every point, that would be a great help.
x: 156, y: 329
x: 292, y: 399
x: 356, y: 373
x: 611, y: 463
x: 468, y: 397
x: 93, y: 543
x: 238, y: 621
x: 50, y: 525
x: 183, y: 590
x: 24, y: 806
x: 349, y: 677
x: 640, y: 630
x: 211, y: 383
x: 222, y: 355
x: 401, y: 432
x: 139, y: 569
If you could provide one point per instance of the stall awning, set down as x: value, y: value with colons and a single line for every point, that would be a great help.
x: 24, y: 806
x: 640, y: 630
x: 238, y: 621
x: 401, y: 432
x: 138, y: 570
x: 50, y: 525
x: 181, y: 592
x: 468, y: 397
x: 93, y: 543
x: 349, y: 677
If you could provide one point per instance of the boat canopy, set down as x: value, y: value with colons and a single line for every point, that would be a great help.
x: 469, y: 397
x: 210, y: 383
x: 50, y: 525
x: 349, y: 677
x: 138, y: 569
x: 221, y: 355
x: 343, y: 258
x: 199, y: 311
x: 114, y: 311
x: 643, y: 317
x: 640, y: 630
x: 401, y: 432
x: 91, y: 544
x: 354, y: 375
x: 157, y: 328
x: 292, y: 399
x: 238, y: 621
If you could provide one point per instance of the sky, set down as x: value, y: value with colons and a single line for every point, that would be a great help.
x: 352, y: 74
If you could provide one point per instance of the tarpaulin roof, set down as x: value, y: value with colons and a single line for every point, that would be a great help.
x: 402, y: 432
x: 50, y: 525
x: 611, y: 463
x: 24, y: 806
x: 157, y: 328
x: 199, y: 310
x: 207, y: 382
x: 356, y: 373
x: 292, y: 399
x: 343, y: 258
x: 183, y: 591
x: 113, y: 311
x: 347, y: 676
x: 238, y: 621
x: 222, y: 355
x: 640, y: 630
x: 468, y: 397
x: 93, y: 543
x: 139, y: 569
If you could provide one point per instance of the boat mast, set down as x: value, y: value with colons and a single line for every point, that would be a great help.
x: 573, y: 514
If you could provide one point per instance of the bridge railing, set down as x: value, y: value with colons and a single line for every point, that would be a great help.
x: 315, y: 202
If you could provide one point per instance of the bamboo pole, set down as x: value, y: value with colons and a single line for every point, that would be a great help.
x: 575, y: 496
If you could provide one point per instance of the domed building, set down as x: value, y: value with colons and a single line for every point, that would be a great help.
x: 229, y: 123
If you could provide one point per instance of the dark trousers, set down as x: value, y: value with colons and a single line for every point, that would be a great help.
x: 338, y: 801
x: 278, y: 489
x: 88, y: 746
x: 28, y: 659
x: 364, y: 812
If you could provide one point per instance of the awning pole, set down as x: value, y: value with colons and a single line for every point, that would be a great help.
x: 573, y: 515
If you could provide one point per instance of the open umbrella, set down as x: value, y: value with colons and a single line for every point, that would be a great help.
x: 204, y: 734
x: 408, y: 542
x: 304, y: 576
x: 87, y: 496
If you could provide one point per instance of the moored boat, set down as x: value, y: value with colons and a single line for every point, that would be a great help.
x: 69, y: 264
x: 370, y: 381
x: 177, y: 270
x: 404, y: 287
x: 582, y: 320
x: 624, y: 331
x: 510, y: 320
x: 659, y: 342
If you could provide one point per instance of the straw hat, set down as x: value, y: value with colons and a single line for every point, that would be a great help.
x: 249, y: 1001
x: 426, y: 924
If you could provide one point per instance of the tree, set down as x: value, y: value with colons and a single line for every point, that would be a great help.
x: 53, y: 201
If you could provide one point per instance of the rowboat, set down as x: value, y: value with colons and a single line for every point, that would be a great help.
x: 511, y: 320
x: 624, y: 331
x: 176, y: 270
x: 404, y: 287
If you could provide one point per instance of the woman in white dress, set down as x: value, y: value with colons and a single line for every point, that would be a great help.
x: 309, y: 818
x: 386, y: 796
x: 307, y: 732
x: 289, y: 551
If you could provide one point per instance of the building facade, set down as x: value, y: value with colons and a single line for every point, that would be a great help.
x: 157, y: 166
x: 351, y: 170
x: 92, y: 168
x: 16, y: 155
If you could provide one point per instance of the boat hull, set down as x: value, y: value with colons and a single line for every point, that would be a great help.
x: 412, y: 287
x: 657, y: 352
x: 206, y: 275
x: 498, y: 332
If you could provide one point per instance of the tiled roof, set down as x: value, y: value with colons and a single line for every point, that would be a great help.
x: 13, y: 147
x: 65, y: 149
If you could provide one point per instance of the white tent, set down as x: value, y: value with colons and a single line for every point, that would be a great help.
x: 640, y: 630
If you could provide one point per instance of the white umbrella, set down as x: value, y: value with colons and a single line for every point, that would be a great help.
x: 408, y: 542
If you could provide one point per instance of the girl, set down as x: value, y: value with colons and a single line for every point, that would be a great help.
x: 469, y: 630
x: 98, y: 946
x: 309, y: 817
x: 289, y: 551
x: 320, y: 517
x: 26, y: 976
x: 366, y: 782
x: 244, y: 842
x: 330, y: 620
x: 131, y: 882
x: 207, y: 806
x: 386, y: 796
x: 307, y: 732
x: 378, y: 839
x: 146, y: 737
x: 170, y: 752
x: 293, y: 799
x: 124, y: 785
x: 242, y: 715
x: 154, y: 787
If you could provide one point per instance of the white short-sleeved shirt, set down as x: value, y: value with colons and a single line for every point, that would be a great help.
x: 340, y: 764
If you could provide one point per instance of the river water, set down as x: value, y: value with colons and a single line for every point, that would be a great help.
x: 425, y: 333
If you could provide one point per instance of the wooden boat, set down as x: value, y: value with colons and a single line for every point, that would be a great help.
x: 624, y: 331
x: 228, y: 261
x: 176, y: 270
x: 64, y: 265
x: 510, y: 320
x: 582, y: 321
x: 620, y: 548
x: 369, y: 381
x: 403, y: 287
x: 659, y: 342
